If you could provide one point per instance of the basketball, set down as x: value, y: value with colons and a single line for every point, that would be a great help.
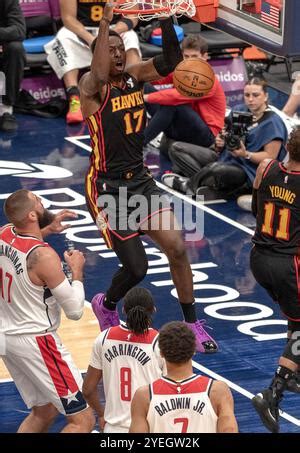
x: 193, y: 77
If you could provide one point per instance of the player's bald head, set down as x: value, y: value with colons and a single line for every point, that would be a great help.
x: 18, y: 205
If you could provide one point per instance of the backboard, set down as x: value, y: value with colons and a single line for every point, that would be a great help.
x: 272, y: 25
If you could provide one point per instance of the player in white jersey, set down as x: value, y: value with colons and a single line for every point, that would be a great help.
x: 125, y: 357
x: 181, y: 401
x: 33, y: 291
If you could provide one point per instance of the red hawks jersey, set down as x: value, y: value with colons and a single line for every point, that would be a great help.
x: 25, y: 308
x: 127, y: 361
x: 181, y: 407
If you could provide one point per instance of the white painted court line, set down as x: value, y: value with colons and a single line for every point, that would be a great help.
x: 76, y: 141
x: 205, y: 208
x: 240, y: 390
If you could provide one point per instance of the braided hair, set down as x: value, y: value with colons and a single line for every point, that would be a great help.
x: 139, y: 308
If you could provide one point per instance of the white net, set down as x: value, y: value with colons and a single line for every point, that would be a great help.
x: 150, y: 9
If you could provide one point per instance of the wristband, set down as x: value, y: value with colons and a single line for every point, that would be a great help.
x: 128, y: 22
x: 248, y: 155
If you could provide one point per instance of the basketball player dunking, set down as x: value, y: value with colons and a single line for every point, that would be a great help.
x: 113, y: 106
x: 182, y: 401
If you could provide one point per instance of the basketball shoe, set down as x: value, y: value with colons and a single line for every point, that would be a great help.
x: 204, y: 342
x: 245, y: 202
x: 175, y: 181
x: 106, y: 318
x: 74, y: 114
x: 266, y: 405
x: 8, y: 122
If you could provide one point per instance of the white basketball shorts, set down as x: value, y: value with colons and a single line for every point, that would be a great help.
x: 44, y: 372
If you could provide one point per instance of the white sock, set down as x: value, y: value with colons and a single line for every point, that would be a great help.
x: 5, y: 109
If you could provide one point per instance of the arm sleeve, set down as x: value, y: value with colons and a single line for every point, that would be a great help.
x: 15, y: 29
x: 172, y: 55
x: 70, y: 298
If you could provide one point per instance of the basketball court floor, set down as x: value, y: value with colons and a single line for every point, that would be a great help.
x: 50, y: 159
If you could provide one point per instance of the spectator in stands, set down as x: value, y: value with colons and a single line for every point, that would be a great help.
x: 293, y: 102
x: 291, y: 120
x: 195, y: 121
x: 232, y: 171
x: 12, y: 60
x: 70, y: 50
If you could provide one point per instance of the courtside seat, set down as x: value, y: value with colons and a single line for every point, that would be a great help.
x: 36, y: 45
x: 34, y: 48
x: 219, y: 43
x: 36, y: 60
x: 150, y: 39
x: 41, y: 28
x: 149, y: 50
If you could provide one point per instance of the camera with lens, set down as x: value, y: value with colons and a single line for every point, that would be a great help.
x: 236, y: 129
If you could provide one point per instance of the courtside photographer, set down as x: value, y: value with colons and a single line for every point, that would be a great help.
x: 253, y: 133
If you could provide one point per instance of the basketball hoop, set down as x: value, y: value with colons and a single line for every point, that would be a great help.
x: 151, y: 9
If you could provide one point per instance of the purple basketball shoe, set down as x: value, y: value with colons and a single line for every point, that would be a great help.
x: 106, y: 318
x: 204, y: 342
